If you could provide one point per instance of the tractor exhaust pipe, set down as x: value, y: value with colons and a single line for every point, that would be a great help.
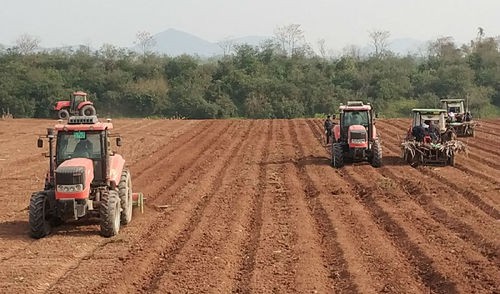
x: 50, y: 135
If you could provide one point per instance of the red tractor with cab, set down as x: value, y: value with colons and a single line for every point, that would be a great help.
x: 355, y: 138
x: 85, y: 178
x: 76, y: 105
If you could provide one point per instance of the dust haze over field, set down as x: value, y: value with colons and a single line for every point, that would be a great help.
x: 254, y: 206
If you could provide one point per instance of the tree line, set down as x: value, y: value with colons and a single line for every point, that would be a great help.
x: 281, y: 78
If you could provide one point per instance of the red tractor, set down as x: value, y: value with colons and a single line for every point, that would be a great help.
x: 85, y: 178
x: 77, y: 105
x: 355, y: 138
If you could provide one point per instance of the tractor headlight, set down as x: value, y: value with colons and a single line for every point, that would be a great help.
x: 70, y: 188
x: 358, y: 141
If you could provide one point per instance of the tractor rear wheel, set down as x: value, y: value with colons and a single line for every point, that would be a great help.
x: 125, y: 192
x: 110, y: 213
x: 39, y: 218
x: 63, y: 114
x: 337, y: 155
x: 376, y: 154
x: 87, y: 110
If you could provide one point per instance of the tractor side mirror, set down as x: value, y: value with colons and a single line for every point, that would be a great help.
x: 39, y: 143
x: 118, y: 141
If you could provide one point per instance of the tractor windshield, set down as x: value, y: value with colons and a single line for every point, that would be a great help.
x: 356, y: 118
x: 78, y: 144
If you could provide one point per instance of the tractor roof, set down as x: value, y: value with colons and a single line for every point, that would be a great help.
x: 79, y: 93
x: 84, y: 123
x: 355, y: 106
x: 429, y: 110
x: 452, y: 100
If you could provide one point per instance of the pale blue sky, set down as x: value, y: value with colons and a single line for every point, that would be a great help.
x: 69, y: 22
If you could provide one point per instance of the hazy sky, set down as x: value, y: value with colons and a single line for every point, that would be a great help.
x: 340, y: 23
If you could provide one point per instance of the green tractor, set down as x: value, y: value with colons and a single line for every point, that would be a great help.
x: 458, y: 118
x: 430, y: 141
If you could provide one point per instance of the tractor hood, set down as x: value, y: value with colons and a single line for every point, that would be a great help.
x: 357, y: 136
x: 61, y: 104
x: 73, y: 178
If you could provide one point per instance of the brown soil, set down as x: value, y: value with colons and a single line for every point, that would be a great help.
x: 253, y: 206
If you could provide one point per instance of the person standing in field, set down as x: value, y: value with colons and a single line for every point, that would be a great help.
x: 328, y: 128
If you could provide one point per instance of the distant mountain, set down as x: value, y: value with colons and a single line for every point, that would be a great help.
x: 174, y: 42
x: 400, y: 46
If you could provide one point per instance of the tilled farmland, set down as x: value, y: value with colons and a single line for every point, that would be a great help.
x: 254, y: 206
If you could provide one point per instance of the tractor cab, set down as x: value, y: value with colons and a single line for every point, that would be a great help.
x: 76, y: 98
x: 356, y: 123
x: 85, y: 138
x: 428, y: 125
x: 436, y: 116
x: 456, y: 110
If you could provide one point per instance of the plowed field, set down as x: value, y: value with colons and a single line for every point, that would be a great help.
x: 253, y: 206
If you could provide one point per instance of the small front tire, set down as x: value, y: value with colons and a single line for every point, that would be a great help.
x: 337, y: 155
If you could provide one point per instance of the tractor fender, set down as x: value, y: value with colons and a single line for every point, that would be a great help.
x: 116, y: 165
x: 336, y: 132
x: 82, y: 104
x: 60, y: 105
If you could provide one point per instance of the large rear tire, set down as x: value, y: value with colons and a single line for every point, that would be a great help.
x: 39, y: 218
x: 63, y: 114
x: 87, y: 110
x: 125, y: 192
x: 110, y: 213
x: 377, y: 154
x: 337, y: 155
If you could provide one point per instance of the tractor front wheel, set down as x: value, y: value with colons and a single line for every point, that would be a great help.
x: 110, y: 213
x: 126, y: 201
x: 337, y: 155
x: 63, y: 114
x: 376, y: 154
x: 39, y: 218
x: 87, y: 110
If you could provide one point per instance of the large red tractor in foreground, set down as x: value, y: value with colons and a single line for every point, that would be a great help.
x: 85, y: 178
x: 355, y: 138
x: 76, y: 105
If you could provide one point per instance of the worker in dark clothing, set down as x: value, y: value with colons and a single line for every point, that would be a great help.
x: 328, y: 128
x: 83, y: 149
x: 433, y: 131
